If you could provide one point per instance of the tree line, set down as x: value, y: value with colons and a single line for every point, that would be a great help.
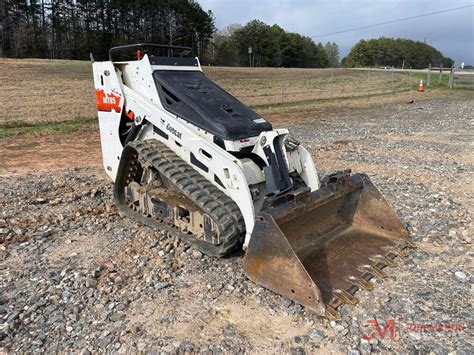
x: 71, y: 29
x: 393, y: 52
x: 258, y: 44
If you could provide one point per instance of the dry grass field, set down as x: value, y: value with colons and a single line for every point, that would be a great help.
x: 39, y: 90
x: 263, y: 87
x: 43, y: 91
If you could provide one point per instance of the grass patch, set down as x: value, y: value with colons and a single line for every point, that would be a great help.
x: 435, y: 82
x: 9, y: 129
x: 465, y: 82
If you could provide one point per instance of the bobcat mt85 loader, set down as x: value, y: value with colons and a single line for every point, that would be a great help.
x: 188, y: 157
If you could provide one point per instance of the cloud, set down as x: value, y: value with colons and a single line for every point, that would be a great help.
x: 451, y: 32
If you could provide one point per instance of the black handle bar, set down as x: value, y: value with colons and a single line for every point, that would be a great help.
x: 142, y: 46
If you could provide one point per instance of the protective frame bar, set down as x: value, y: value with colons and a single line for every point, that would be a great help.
x: 142, y: 46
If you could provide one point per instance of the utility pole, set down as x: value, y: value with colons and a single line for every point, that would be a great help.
x: 428, y: 80
x: 250, y: 56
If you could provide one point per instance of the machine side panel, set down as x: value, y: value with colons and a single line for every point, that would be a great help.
x: 215, y: 164
x: 110, y: 102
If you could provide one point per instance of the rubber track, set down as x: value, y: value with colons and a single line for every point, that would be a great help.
x: 221, y: 208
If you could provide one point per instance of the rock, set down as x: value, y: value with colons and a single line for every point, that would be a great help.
x: 365, y: 347
x: 120, y: 307
x: 229, y: 331
x: 119, y: 280
x: 297, y: 351
x: 415, y: 335
x: 13, y: 315
x: 187, y: 346
x: 395, y: 305
x: 58, y: 318
x: 19, y: 231
x: 170, y: 348
x: 278, y: 345
x: 373, y: 341
x: 43, y: 234
x: 90, y: 282
x: 161, y: 285
x: 460, y: 275
x: 196, y: 254
x: 105, y: 341
x: 286, y: 302
x: 55, y: 202
x: 118, y: 316
x: 294, y: 309
x: 168, y: 248
x: 316, y: 335
x: 37, y: 342
x: 96, y: 273
x: 301, y: 339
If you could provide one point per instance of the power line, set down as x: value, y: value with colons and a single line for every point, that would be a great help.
x: 393, y: 21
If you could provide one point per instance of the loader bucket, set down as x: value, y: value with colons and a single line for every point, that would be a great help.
x: 318, y: 248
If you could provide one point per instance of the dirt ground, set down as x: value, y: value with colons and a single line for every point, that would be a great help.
x: 26, y: 153
x: 76, y: 276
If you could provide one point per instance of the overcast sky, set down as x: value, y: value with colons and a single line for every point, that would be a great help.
x: 452, y: 33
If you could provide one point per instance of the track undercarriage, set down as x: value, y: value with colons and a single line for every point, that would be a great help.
x: 161, y: 191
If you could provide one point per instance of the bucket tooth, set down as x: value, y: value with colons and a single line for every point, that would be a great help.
x: 361, y: 283
x: 378, y: 272
x: 400, y: 251
x: 345, y: 297
x: 390, y: 262
x: 378, y: 260
x: 332, y: 313
x: 368, y: 269
x: 410, y: 244
x: 383, y: 259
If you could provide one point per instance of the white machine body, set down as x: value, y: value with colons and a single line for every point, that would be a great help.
x: 127, y: 89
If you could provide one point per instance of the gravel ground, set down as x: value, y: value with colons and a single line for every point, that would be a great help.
x: 76, y: 276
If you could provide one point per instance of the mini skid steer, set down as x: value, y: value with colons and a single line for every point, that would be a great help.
x: 188, y: 157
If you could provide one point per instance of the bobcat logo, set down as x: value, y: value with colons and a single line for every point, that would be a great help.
x: 173, y: 131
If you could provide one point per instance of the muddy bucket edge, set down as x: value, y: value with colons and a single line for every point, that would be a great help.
x: 271, y: 262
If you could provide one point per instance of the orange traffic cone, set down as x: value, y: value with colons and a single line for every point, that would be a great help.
x: 420, y: 86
